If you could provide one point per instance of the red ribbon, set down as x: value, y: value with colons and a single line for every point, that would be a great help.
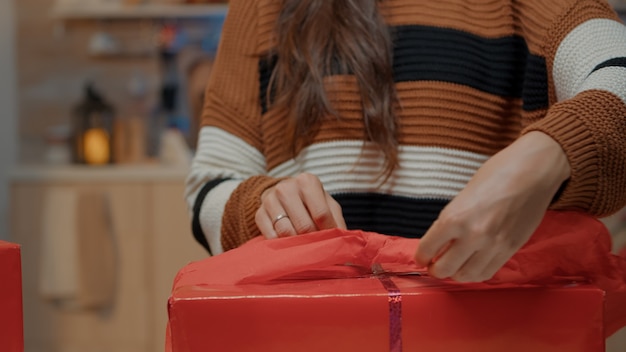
x: 395, y: 308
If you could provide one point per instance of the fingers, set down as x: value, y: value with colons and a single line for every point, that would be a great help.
x: 462, y: 258
x: 451, y: 261
x: 274, y: 226
x: 286, y: 199
x: 281, y: 202
x: 463, y: 253
x: 302, y: 205
x: 264, y: 223
x: 337, y: 212
x: 283, y: 226
x: 317, y: 202
x: 433, y: 244
x: 482, y: 266
x: 475, y: 268
x: 495, y: 264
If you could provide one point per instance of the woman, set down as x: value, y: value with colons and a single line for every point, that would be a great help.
x: 459, y: 122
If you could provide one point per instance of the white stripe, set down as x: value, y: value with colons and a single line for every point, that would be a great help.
x: 220, y: 149
x: 211, y: 214
x: 611, y: 79
x: 424, y: 172
x: 588, y: 45
x: 221, y: 155
x: 343, y: 166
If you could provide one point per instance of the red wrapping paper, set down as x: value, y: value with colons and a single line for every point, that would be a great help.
x: 567, y: 247
x: 11, y: 324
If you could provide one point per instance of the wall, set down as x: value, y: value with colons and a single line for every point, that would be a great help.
x: 8, y: 112
x: 55, y: 64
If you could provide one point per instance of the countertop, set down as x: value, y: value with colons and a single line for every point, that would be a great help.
x: 85, y: 173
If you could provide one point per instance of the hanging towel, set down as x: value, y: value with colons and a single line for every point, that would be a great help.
x: 77, y: 268
x: 58, y: 274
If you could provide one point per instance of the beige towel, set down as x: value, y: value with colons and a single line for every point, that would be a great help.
x: 96, y: 248
x: 58, y: 276
x: 77, y: 249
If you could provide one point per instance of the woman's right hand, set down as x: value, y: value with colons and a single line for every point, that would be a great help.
x: 296, y: 206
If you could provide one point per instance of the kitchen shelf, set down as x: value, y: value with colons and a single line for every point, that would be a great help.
x: 80, y: 11
x: 104, y: 173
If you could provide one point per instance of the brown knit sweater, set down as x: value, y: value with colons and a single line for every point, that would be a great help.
x: 471, y: 76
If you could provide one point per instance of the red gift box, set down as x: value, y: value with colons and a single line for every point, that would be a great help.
x: 11, y: 323
x: 563, y: 291
x: 354, y: 315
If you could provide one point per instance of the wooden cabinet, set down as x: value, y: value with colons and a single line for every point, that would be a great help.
x: 146, y: 217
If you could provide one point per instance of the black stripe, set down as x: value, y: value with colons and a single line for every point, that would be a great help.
x: 535, y: 88
x: 614, y: 62
x: 196, y: 228
x: 388, y: 214
x: 494, y: 65
x: 501, y: 66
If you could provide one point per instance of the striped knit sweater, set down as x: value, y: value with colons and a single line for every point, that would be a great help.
x: 471, y: 76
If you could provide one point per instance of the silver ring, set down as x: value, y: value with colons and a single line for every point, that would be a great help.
x: 279, y: 217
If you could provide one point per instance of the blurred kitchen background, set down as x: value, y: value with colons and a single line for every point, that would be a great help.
x: 99, y: 104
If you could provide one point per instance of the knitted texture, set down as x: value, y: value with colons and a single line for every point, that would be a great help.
x: 239, y: 225
x: 470, y: 78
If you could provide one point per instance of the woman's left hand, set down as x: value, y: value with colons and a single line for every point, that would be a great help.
x: 497, y: 212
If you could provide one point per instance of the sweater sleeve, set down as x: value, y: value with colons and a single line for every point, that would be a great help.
x: 585, y: 50
x: 227, y: 175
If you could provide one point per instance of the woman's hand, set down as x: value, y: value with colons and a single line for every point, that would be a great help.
x: 296, y: 206
x: 497, y: 212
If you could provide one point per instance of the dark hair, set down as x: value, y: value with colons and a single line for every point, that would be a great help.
x: 317, y: 38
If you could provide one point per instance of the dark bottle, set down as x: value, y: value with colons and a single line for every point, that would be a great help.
x: 92, y: 124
